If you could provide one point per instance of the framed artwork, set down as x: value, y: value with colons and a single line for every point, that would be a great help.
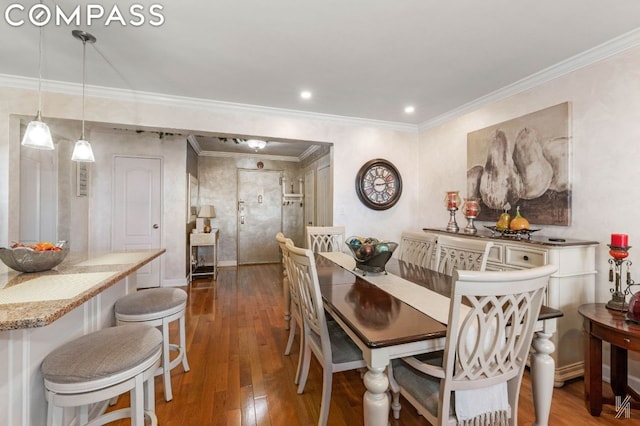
x: 82, y: 179
x: 523, y: 162
x: 192, y: 198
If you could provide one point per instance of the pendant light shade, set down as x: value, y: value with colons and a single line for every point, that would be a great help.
x: 82, y: 151
x: 38, y: 134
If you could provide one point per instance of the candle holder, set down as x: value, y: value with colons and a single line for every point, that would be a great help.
x: 471, y: 210
x: 451, y: 202
x: 618, y: 266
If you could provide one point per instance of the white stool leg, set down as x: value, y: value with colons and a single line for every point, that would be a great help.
x: 137, y: 402
x: 166, y: 367
x: 183, y: 344
x: 83, y: 414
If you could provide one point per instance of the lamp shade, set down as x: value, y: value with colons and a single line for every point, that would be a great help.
x: 207, y: 211
x: 38, y: 135
x: 82, y: 152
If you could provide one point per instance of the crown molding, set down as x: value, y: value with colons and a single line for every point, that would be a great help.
x: 29, y: 83
x: 599, y: 53
x: 245, y: 155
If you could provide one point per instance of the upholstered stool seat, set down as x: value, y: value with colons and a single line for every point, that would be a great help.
x: 158, y: 307
x: 100, y: 366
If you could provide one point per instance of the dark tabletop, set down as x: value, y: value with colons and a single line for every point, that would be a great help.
x: 378, y: 318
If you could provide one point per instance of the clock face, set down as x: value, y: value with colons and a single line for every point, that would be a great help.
x: 378, y: 184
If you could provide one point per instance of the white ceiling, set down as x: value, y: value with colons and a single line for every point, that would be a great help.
x: 364, y: 59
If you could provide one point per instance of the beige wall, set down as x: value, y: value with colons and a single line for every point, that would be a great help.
x: 605, y: 115
x: 354, y: 143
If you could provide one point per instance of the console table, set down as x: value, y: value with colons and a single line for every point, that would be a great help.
x: 197, y: 240
x: 602, y: 324
x: 570, y: 287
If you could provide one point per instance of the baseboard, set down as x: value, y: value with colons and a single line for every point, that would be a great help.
x: 568, y: 372
x: 177, y: 282
x: 227, y: 263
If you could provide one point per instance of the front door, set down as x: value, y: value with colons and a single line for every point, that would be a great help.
x: 138, y: 211
x: 259, y: 216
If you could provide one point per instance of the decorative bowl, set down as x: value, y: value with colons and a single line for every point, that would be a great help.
x: 26, y: 259
x: 371, y: 255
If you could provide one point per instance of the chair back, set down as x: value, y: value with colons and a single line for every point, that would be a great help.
x: 461, y: 253
x: 304, y: 276
x: 494, y: 336
x: 285, y: 244
x: 325, y: 238
x: 416, y: 247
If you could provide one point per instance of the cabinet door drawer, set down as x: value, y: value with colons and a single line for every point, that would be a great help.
x: 625, y: 341
x: 496, y: 254
x: 525, y: 258
x: 202, y: 239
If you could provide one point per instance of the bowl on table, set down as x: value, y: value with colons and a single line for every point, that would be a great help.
x: 370, y: 254
x: 34, y: 258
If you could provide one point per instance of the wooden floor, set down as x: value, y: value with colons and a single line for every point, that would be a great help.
x: 239, y: 375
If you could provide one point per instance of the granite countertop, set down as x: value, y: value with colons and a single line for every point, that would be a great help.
x: 535, y: 239
x: 29, y: 300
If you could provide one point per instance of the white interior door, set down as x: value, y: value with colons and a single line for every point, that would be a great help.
x: 324, y: 198
x: 259, y: 216
x: 138, y: 211
x: 38, y: 195
x: 309, y: 198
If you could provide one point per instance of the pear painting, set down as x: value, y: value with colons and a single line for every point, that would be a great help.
x: 523, y: 162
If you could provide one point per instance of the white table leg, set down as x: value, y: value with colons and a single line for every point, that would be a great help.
x: 542, y: 373
x: 376, y: 400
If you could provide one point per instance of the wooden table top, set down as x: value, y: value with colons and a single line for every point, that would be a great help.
x: 378, y: 318
x: 610, y: 318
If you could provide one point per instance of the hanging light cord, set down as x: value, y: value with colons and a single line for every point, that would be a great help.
x: 40, y: 73
x: 84, y: 66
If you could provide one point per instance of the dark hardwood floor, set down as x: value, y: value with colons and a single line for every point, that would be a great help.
x: 239, y: 375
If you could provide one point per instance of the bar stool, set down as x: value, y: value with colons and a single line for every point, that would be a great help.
x: 100, y: 366
x: 158, y: 307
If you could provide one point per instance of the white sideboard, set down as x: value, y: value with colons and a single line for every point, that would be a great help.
x: 570, y: 287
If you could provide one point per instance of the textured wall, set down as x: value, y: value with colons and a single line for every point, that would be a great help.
x: 218, y: 180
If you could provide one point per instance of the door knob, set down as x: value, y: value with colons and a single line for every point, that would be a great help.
x: 155, y: 226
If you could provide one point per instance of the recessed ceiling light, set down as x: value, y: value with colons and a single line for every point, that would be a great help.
x: 305, y: 94
x: 409, y: 109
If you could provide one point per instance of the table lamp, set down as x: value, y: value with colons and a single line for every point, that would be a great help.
x: 202, y: 221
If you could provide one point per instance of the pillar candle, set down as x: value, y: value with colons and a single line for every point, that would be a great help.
x: 620, y: 240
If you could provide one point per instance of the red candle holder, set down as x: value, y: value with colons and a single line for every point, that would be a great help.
x: 617, y: 265
x: 452, y: 202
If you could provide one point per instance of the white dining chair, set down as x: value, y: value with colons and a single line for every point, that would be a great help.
x: 417, y: 247
x: 325, y: 238
x: 326, y: 340
x: 281, y: 239
x: 461, y: 253
x: 296, y: 321
x: 477, y: 379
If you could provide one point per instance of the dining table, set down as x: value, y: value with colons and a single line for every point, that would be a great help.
x: 403, y: 312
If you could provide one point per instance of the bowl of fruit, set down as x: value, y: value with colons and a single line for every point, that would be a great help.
x: 37, y: 257
x: 371, y: 254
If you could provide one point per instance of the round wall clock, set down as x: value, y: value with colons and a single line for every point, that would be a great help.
x: 378, y: 184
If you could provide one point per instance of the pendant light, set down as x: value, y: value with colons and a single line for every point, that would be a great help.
x: 82, y: 151
x: 38, y: 134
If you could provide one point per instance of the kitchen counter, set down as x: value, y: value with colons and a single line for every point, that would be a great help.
x: 37, y: 299
x: 41, y: 311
